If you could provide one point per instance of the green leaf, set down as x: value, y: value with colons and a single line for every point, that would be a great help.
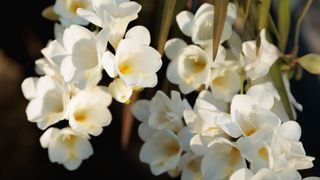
x: 264, y: 8
x: 167, y: 15
x: 220, y: 13
x: 311, y: 63
x: 284, y: 18
x: 50, y: 14
x: 276, y: 76
x: 298, y: 26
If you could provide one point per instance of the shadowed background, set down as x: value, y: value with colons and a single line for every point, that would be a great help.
x: 24, y: 33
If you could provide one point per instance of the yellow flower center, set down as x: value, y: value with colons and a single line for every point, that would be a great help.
x: 172, y: 148
x: 73, y: 5
x: 263, y: 153
x: 250, y: 131
x: 80, y: 116
x: 125, y: 68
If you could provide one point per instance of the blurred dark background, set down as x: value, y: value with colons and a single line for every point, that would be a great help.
x: 24, y: 33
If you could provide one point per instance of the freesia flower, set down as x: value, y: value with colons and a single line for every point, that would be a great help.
x: 200, y: 26
x: 67, y: 11
x: 114, y: 14
x: 48, y: 100
x: 66, y: 147
x: 258, y: 60
x: 88, y: 113
x: 135, y: 62
x: 161, y: 151
x: 189, y: 66
x: 222, y: 159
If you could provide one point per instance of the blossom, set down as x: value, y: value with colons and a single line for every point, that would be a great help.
x: 200, y: 25
x: 189, y: 66
x: 66, y: 147
x: 162, y: 112
x: 287, y: 150
x: 77, y: 54
x: 221, y: 160
x: 120, y: 91
x: 253, y: 121
x: 87, y: 112
x: 114, y: 14
x: 67, y: 11
x: 264, y: 173
x: 258, y: 60
x: 190, y: 165
x: 161, y: 151
x: 135, y: 61
x: 48, y: 100
x: 225, y: 80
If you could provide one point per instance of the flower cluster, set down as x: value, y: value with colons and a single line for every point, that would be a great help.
x: 238, y: 128
x: 69, y: 90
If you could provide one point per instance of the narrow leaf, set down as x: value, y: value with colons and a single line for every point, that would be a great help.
x: 311, y: 63
x: 276, y: 76
x: 220, y: 13
x: 273, y: 27
x: 298, y: 26
x: 264, y: 13
x: 284, y: 18
x: 167, y: 16
x: 49, y: 13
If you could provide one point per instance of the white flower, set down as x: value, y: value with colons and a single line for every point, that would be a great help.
x: 162, y: 112
x: 116, y: 14
x: 135, y: 61
x: 78, y: 53
x: 257, y: 153
x: 258, y: 61
x: 190, y: 165
x: 264, y: 89
x: 67, y: 11
x: 190, y: 65
x: 66, y: 147
x: 221, y: 160
x: 225, y: 81
x: 48, y: 100
x: 252, y: 119
x: 200, y: 25
x: 264, y: 174
x: 287, y: 150
x: 202, y: 121
x: 87, y: 112
x: 161, y: 151
x: 119, y: 90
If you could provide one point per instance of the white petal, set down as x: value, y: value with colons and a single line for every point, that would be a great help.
x: 119, y: 90
x: 197, y: 146
x: 48, y: 136
x: 29, y: 87
x: 265, y: 174
x: 262, y: 95
x: 173, y: 47
x: 72, y: 164
x: 185, y: 22
x: 290, y: 130
x: 140, y: 110
x: 90, y: 16
x: 140, y: 34
x: 145, y: 131
x: 185, y: 136
x: 241, y: 174
x: 102, y: 39
x: 172, y: 73
x: 108, y: 63
x: 225, y: 123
